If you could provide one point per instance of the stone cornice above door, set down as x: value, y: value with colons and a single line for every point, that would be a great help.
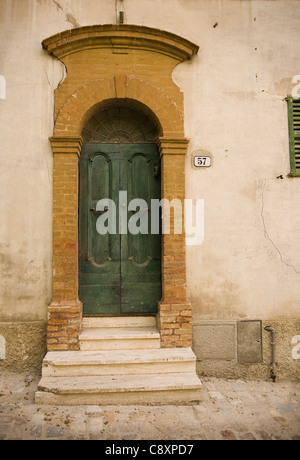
x: 118, y: 38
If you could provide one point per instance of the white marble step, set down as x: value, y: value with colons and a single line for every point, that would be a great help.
x: 119, y: 338
x: 148, y: 389
x: 119, y: 362
x: 119, y: 321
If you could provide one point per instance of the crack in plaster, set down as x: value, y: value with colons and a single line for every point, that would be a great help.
x: 69, y: 17
x: 266, y: 231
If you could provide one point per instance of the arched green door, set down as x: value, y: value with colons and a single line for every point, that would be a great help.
x: 120, y: 271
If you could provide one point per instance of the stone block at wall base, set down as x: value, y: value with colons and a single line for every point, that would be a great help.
x: 22, y: 346
x: 242, y: 349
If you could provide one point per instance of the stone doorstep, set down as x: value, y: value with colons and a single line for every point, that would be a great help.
x: 119, y: 333
x: 105, y: 369
x: 119, y: 321
x: 98, y: 338
x: 175, y: 388
x: 119, y: 362
x: 112, y: 384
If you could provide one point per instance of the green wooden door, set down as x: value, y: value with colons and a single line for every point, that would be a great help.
x: 120, y: 270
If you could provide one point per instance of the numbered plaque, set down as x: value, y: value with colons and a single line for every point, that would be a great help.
x: 202, y: 162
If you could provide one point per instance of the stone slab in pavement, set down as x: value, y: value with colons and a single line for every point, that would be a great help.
x: 230, y: 410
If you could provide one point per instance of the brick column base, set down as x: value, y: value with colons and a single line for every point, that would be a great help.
x: 64, y: 326
x: 175, y: 325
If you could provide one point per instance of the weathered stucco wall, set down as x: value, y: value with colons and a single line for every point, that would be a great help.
x: 248, y: 266
x: 236, y: 110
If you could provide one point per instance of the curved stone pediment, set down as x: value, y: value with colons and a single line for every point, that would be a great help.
x: 122, y: 36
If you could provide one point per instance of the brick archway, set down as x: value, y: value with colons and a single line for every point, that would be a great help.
x: 73, y: 108
x: 81, y: 105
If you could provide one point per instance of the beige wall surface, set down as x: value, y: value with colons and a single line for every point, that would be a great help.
x: 248, y: 266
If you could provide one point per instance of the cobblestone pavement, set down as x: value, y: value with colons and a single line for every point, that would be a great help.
x: 230, y: 410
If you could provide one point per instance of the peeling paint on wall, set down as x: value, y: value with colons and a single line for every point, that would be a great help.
x: 2, y: 347
x: 296, y: 89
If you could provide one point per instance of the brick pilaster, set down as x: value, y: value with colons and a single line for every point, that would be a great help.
x: 175, y: 313
x: 65, y: 312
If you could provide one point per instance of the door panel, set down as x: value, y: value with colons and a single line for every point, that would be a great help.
x: 138, y: 184
x: 119, y: 273
x: 140, y: 253
x: 99, y: 255
x: 99, y: 246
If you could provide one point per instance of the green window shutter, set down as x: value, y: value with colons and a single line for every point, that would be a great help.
x: 294, y: 132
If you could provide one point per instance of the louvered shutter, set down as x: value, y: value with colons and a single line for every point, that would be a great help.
x: 294, y: 131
